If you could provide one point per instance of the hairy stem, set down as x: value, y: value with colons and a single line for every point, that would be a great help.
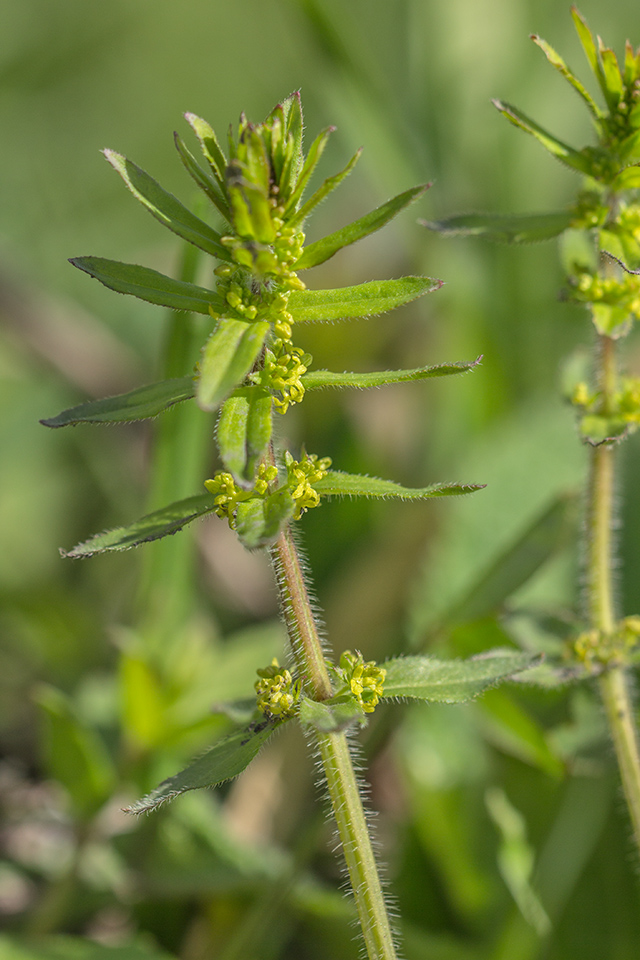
x: 334, y: 752
x: 614, y: 683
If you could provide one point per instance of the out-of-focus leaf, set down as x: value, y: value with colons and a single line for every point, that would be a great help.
x: 259, y: 521
x: 596, y: 429
x: 556, y: 60
x: 548, y: 534
x: 155, y: 525
x: 363, y: 300
x: 566, y: 154
x: 77, y: 948
x: 613, y: 88
x: 503, y: 229
x: 244, y: 432
x: 509, y: 727
x: 323, y: 249
x: 166, y: 208
x: 335, y: 483
x: 330, y: 717
x: 323, y: 191
x: 227, y: 358
x: 202, y: 178
x: 516, y: 859
x: 225, y: 760
x: 149, y: 285
x: 143, y: 705
x: 74, y: 753
x: 451, y: 681
x: 589, y: 47
x: 139, y: 404
x: 317, y: 379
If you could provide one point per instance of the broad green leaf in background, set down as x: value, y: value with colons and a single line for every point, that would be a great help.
x: 318, y: 379
x: 566, y: 154
x: 139, y: 404
x: 225, y: 760
x: 529, y: 228
x: 541, y: 540
x: 450, y: 681
x: 363, y: 300
x: 77, y: 948
x: 155, y: 525
x: 166, y: 208
x: 149, y: 285
x: 507, y: 725
x: 227, y: 358
x: 74, y: 753
x: 328, y: 717
x: 324, y: 249
x: 244, y: 431
x: 335, y: 483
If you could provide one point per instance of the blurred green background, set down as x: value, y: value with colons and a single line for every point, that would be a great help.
x: 501, y: 823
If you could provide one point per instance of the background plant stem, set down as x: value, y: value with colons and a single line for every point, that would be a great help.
x: 614, y: 683
x: 334, y: 753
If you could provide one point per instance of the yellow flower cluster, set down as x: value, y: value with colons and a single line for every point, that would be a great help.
x: 278, y: 693
x: 365, y: 680
x: 284, y: 366
x: 302, y: 475
x: 596, y: 649
x: 228, y: 494
x: 624, y: 405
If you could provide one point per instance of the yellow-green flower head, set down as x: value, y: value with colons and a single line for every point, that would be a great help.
x: 302, y: 474
x: 365, y: 680
x: 278, y: 693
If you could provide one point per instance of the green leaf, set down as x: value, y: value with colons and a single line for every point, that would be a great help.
x: 150, y: 285
x: 61, y: 947
x: 153, y: 526
x: 139, y: 404
x: 566, y: 154
x: 363, y: 300
x: 74, y: 753
x: 228, y: 356
x: 311, y: 162
x: 244, y: 432
x: 627, y: 179
x: 596, y: 429
x: 166, y: 208
x: 507, y: 725
x: 556, y: 60
x: 548, y: 534
x: 202, y: 178
x: 335, y: 483
x: 323, y: 191
x: 451, y: 681
x: 613, y: 88
x: 530, y: 228
x: 328, y: 717
x: 318, y: 379
x: 590, y: 49
x: 259, y: 520
x: 225, y: 760
x: 210, y: 146
x: 325, y: 248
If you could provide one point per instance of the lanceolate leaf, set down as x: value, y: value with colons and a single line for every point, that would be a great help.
x: 317, y: 379
x: 225, y: 760
x: 228, y: 356
x: 323, y: 249
x: 210, y: 146
x: 507, y: 229
x: 450, y: 681
x: 139, y: 404
x: 556, y: 60
x: 244, y: 432
x: 364, y: 300
x: 202, y: 178
x: 566, y: 154
x: 335, y: 483
x: 315, y: 152
x: 323, y: 191
x: 166, y: 208
x: 150, y: 285
x: 155, y: 525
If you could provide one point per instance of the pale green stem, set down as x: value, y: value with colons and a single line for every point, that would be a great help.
x: 334, y: 752
x: 614, y: 683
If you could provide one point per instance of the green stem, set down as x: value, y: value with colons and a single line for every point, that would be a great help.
x: 614, y: 684
x: 334, y: 752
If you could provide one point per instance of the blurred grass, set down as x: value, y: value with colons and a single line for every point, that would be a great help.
x: 411, y: 82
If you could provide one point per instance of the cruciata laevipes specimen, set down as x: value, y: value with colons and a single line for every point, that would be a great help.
x: 249, y: 374
x: 601, y: 254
